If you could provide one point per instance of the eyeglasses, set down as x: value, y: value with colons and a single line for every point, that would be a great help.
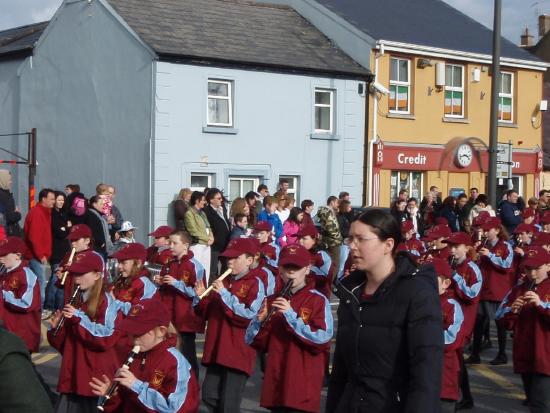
x: 357, y: 240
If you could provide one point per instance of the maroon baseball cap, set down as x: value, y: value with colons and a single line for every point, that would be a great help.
x: 440, y: 231
x: 541, y: 238
x: 79, y: 231
x: 133, y: 251
x: 238, y: 247
x: 525, y: 228
x: 262, y: 226
x: 441, y: 221
x: 13, y: 245
x: 308, y: 230
x: 406, y: 226
x: 427, y: 236
x: 295, y: 255
x: 457, y: 238
x: 145, y: 316
x: 481, y: 218
x: 493, y: 222
x: 86, y: 261
x: 535, y: 257
x: 528, y: 213
x: 162, y: 231
x: 442, y: 267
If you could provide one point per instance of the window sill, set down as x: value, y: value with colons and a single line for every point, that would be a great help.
x: 324, y: 136
x: 219, y: 129
x: 455, y: 120
x: 401, y: 116
x: 507, y: 125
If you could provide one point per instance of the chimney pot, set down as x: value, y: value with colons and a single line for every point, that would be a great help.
x: 544, y: 24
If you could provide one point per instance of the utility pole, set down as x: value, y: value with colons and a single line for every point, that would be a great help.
x: 495, y: 90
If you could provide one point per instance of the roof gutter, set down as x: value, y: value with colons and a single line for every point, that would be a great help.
x: 392, y: 46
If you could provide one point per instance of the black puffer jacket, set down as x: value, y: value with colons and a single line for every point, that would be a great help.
x: 389, y: 348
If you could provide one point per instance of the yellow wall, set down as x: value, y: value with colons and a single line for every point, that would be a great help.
x: 426, y: 123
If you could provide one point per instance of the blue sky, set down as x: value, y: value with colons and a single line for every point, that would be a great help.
x: 516, y: 14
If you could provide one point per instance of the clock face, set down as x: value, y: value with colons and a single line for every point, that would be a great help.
x: 464, y: 155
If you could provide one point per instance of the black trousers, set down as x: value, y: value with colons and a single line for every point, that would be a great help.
x: 537, y: 388
x: 222, y: 389
x: 286, y: 410
x: 448, y: 406
x: 464, y: 381
x: 188, y: 349
x: 485, y: 313
x: 73, y: 403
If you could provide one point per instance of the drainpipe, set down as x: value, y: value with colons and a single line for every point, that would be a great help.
x: 374, y: 136
x: 366, y: 148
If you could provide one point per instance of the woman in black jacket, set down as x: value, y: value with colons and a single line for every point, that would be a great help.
x: 98, y: 224
x: 12, y: 216
x: 389, y: 345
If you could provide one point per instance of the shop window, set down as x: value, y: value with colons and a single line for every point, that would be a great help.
x: 413, y: 182
x: 506, y: 98
x: 454, y: 91
x: 504, y: 185
x: 239, y: 186
x: 400, y: 86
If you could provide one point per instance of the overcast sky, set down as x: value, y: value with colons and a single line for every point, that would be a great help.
x: 516, y: 14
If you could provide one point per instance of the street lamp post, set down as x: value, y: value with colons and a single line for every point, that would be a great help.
x: 495, y: 90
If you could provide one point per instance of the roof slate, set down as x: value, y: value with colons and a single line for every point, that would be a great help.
x: 20, y: 38
x: 422, y: 22
x: 234, y: 31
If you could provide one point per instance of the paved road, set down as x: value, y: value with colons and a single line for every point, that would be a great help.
x: 495, y: 388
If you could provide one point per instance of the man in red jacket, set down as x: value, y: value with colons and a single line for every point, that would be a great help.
x: 38, y: 234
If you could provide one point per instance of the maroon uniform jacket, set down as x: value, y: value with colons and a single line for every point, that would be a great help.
x: 87, y: 347
x: 322, y: 273
x: 467, y: 284
x: 154, y: 256
x: 498, y: 278
x: 139, y: 288
x: 453, y: 321
x: 21, y: 297
x: 228, y: 315
x: 295, y: 342
x: 413, y: 246
x: 164, y: 383
x: 178, y: 298
x: 531, y: 326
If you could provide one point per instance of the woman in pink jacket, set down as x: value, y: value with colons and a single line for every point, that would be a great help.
x: 291, y: 227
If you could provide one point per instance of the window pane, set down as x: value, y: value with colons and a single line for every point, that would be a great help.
x: 322, y: 98
x: 217, y: 89
x: 506, y: 83
x: 393, y: 186
x: 457, y: 76
x: 457, y: 103
x: 322, y: 118
x: 448, y: 102
x: 403, y: 70
x: 248, y: 185
x: 198, y: 181
x: 505, y: 109
x: 416, y: 185
x: 393, y: 69
x: 218, y: 111
x: 234, y: 188
x: 392, y: 97
x: 448, y: 75
x: 402, y: 98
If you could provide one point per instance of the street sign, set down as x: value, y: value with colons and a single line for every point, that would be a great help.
x: 504, y: 161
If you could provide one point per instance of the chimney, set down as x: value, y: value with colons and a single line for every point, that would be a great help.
x: 526, y: 38
x: 544, y: 24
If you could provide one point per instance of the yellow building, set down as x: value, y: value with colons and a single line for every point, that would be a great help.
x: 429, y: 121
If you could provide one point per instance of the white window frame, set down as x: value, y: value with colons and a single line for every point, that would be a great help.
x: 316, y: 105
x: 398, y: 83
x: 200, y: 174
x: 455, y: 89
x: 295, y: 190
x: 506, y: 95
x: 229, y: 98
x: 242, y: 178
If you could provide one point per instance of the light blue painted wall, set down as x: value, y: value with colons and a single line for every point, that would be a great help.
x: 88, y: 92
x: 274, y: 115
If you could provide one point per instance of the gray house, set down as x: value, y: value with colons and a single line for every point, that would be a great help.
x: 156, y: 96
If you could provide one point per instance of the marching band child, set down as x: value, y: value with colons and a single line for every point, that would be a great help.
x: 321, y: 265
x: 295, y: 337
x: 496, y: 257
x: 20, y: 293
x: 159, y: 252
x: 526, y: 311
x: 229, y: 308
x: 264, y: 272
x: 133, y: 284
x: 178, y: 279
x: 269, y: 250
x: 86, y: 339
x: 410, y: 243
x: 159, y: 379
x: 453, y: 322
